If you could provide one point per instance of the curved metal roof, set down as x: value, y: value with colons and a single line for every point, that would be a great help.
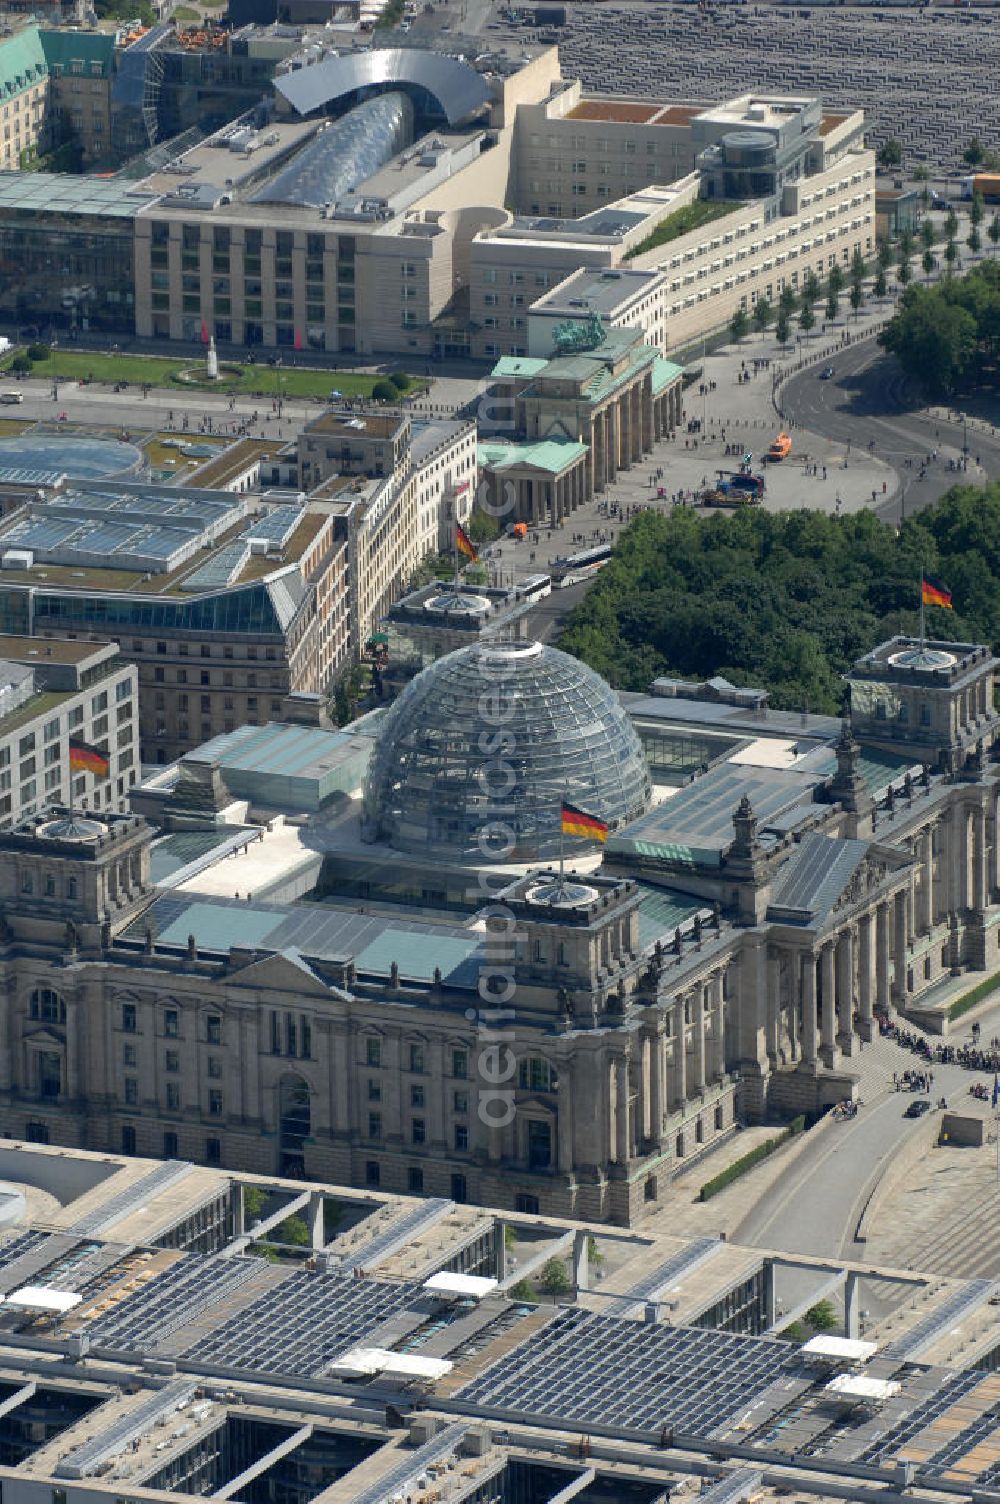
x: 459, y: 89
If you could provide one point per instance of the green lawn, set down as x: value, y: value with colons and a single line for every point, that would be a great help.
x: 71, y: 365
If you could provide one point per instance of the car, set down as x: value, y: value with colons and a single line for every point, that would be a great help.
x: 918, y: 1108
x: 826, y: 374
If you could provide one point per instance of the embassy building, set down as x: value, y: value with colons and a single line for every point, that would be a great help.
x: 447, y: 1015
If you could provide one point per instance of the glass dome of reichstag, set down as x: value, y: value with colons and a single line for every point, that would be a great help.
x: 497, y: 736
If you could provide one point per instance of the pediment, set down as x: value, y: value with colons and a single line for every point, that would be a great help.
x: 281, y: 971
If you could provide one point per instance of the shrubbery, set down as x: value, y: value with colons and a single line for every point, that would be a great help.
x: 747, y: 1161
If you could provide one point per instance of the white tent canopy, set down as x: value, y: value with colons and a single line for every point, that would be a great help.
x: 41, y: 1298
x: 449, y: 1283
x: 838, y: 1349
x: 368, y: 1361
x: 855, y: 1386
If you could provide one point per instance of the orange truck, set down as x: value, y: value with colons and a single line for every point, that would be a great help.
x: 780, y: 449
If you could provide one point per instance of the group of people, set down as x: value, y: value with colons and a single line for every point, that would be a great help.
x: 974, y: 1056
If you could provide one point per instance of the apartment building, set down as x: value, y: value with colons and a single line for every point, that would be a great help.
x: 69, y: 726
x: 24, y: 99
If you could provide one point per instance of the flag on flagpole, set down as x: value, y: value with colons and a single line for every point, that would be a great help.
x: 576, y: 822
x: 996, y: 1090
x: 465, y: 545
x: 84, y: 758
x: 933, y: 593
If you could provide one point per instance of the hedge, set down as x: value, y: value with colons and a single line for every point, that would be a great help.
x: 747, y: 1161
x: 970, y: 999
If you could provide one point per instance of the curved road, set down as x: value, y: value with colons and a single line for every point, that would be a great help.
x: 871, y: 399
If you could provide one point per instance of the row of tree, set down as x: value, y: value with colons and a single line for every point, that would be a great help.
x: 784, y: 600
x: 948, y: 336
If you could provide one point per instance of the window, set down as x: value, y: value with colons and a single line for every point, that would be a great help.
x: 172, y: 1062
x: 213, y: 1151
x: 416, y: 1096
x: 459, y: 1189
x: 416, y: 1057
x: 213, y: 1029
x: 170, y: 1145
x: 460, y: 1064
x: 461, y: 1137
x: 418, y: 1131
x: 129, y: 1019
x: 535, y: 1074
x: 214, y: 1068
x: 415, y: 1180
x: 132, y: 1091
x: 374, y: 1125
x: 528, y: 1205
x: 128, y: 1139
x: 460, y: 1101
x: 374, y: 1090
x: 173, y: 1097
x: 170, y: 1023
x: 47, y: 1006
x: 373, y: 1175
x: 37, y: 1133
x: 215, y: 1104
x: 539, y: 1145
x: 128, y: 1056
x: 373, y: 1051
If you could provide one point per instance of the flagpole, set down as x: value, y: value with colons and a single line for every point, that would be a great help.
x: 562, y: 843
x: 923, y: 633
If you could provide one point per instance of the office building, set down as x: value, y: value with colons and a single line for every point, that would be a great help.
x: 69, y: 726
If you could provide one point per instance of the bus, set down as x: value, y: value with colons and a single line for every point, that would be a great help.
x: 570, y: 569
x: 534, y: 588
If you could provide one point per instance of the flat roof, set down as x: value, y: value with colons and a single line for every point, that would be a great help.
x: 553, y: 455
x: 62, y: 193
x: 32, y: 650
x: 351, y: 425
x: 634, y: 112
x: 595, y: 290
x: 213, y: 162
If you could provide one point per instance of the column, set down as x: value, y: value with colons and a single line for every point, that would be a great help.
x: 979, y: 859
x: 656, y: 1086
x: 581, y: 1260
x: 882, y: 993
x: 845, y: 991
x: 698, y: 1004
x: 928, y: 853
x: 773, y: 1006
x: 829, y: 998
x: 899, y: 946
x: 643, y: 1127
x: 719, y: 1027
x: 564, y: 1122
x: 809, y: 1008
x: 339, y: 1074
x: 621, y: 1110
x: 680, y: 1054
x: 958, y: 833
x: 865, y: 976
x: 851, y: 1304
x: 72, y: 1049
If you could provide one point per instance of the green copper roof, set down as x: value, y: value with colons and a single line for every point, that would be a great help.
x: 665, y: 373
x: 517, y: 365
x: 553, y: 455
x: 88, y: 53
x: 22, y: 62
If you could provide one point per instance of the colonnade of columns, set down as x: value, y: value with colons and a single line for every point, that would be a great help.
x: 674, y: 1060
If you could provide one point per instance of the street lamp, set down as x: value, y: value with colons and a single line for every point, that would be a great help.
x: 965, y: 439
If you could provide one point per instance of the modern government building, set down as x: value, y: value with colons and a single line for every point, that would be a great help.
x: 420, y: 202
x: 351, y: 956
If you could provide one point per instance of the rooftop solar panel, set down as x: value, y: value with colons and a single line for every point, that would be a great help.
x: 177, y: 1296
x: 961, y: 1303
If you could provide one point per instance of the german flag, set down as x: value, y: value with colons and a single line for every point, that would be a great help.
x: 84, y: 758
x: 465, y: 545
x: 576, y: 822
x: 933, y: 593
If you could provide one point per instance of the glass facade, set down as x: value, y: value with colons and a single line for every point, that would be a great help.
x: 480, y: 750
x: 345, y: 154
x: 249, y: 611
x: 66, y: 271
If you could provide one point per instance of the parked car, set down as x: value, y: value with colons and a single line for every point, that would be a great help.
x: 918, y: 1108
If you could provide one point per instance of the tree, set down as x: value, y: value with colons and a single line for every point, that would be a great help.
x: 977, y: 210
x: 253, y: 1202
x: 482, y: 527
x: 294, y: 1230
x: 763, y: 313
x: 21, y: 364
x: 384, y: 391
x: 974, y: 241
x: 933, y: 338
x: 883, y: 255
x: 951, y: 224
x: 974, y: 152
x: 787, y: 300
x: 807, y: 318
x: 994, y: 232
x: 951, y: 255
x: 810, y: 287
x: 554, y: 1279
x: 781, y: 328
x: 595, y: 1258
x: 906, y: 243
x: 739, y: 325
x: 859, y: 266
x: 903, y: 273
x: 832, y: 305
x: 890, y: 153
x: 928, y: 235
x: 822, y: 1317
x: 928, y: 263
x: 881, y: 286
x: 524, y: 1292
x: 857, y: 297
x: 835, y: 280
x: 400, y: 381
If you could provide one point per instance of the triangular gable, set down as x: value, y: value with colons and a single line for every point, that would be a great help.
x: 283, y: 971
